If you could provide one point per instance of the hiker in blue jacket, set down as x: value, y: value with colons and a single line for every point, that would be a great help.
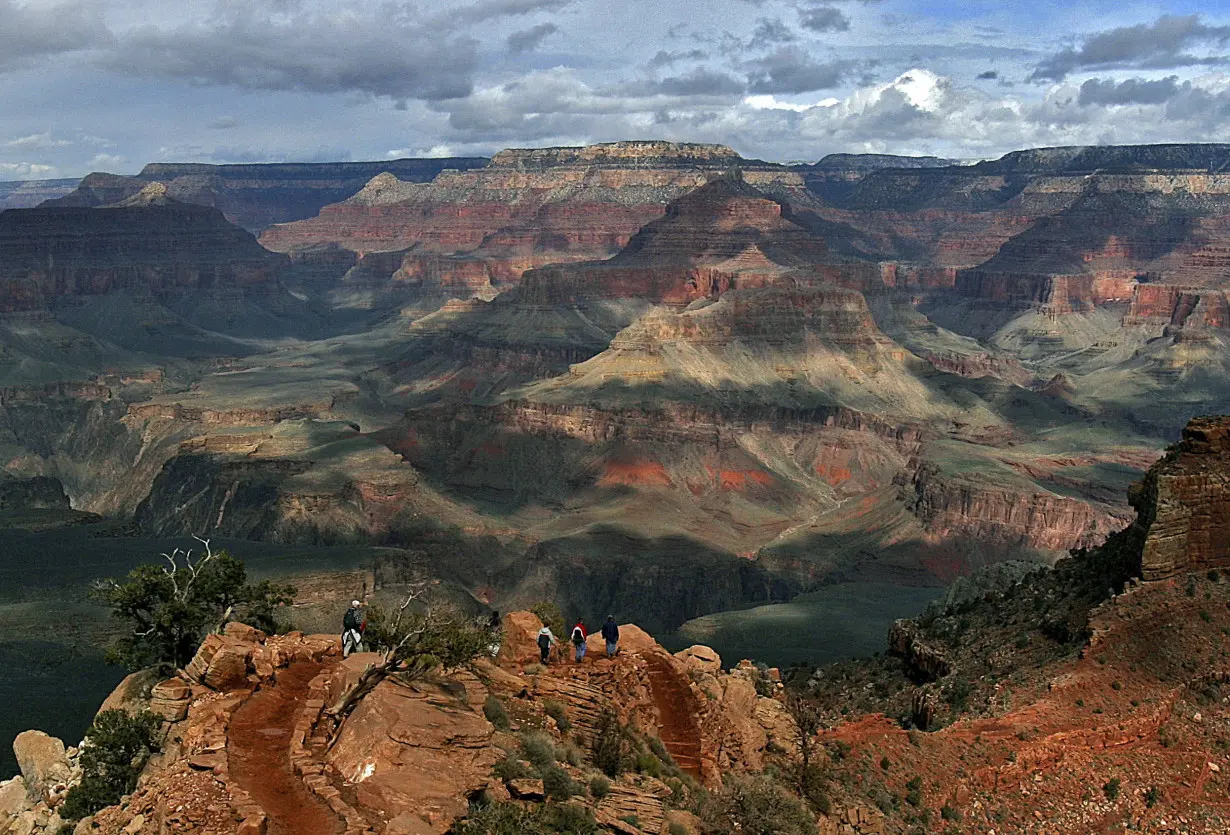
x: 610, y: 634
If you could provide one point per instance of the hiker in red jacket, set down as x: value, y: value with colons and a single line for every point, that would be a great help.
x: 579, y: 636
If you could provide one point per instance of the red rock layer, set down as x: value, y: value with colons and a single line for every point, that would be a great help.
x: 1184, y: 503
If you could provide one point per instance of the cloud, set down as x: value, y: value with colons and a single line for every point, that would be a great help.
x: 989, y: 75
x: 770, y: 31
x: 527, y: 40
x: 37, y: 141
x: 369, y: 50
x: 1097, y: 91
x: 24, y: 170
x: 824, y: 19
x: 28, y: 32
x: 665, y: 58
x: 792, y: 70
x: 224, y: 123
x: 701, y: 82
x: 493, y: 9
x: 1157, y: 45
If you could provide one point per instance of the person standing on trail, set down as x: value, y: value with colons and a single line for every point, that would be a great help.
x: 353, y: 624
x: 546, y: 640
x: 495, y: 627
x: 610, y: 634
x: 579, y: 637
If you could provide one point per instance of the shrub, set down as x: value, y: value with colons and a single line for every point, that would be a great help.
x: 556, y: 711
x: 539, y: 749
x: 950, y: 813
x: 754, y: 805
x: 647, y: 763
x: 557, y: 784
x: 913, y: 795
x: 839, y: 751
x: 510, y: 768
x: 517, y: 819
x: 884, y: 763
x: 1111, y: 789
x: 1116, y: 685
x: 1152, y: 796
x: 116, y: 749
x: 599, y: 787
x: 609, y: 746
x: 676, y: 828
x: 814, y: 785
x: 494, y: 710
x: 1205, y: 616
x: 570, y: 754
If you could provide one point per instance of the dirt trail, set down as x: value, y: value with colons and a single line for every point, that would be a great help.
x: 258, y: 751
x: 680, y: 733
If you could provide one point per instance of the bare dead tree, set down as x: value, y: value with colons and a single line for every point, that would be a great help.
x: 808, y: 722
x: 412, y: 645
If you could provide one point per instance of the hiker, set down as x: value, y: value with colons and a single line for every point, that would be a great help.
x: 353, y: 624
x: 579, y: 637
x: 497, y: 633
x: 546, y: 640
x: 610, y: 634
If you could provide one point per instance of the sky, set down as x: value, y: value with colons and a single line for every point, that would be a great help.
x: 108, y: 85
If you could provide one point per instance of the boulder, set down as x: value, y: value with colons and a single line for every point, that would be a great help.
x: 13, y: 798
x: 519, y: 644
x: 631, y: 639
x: 222, y: 662
x: 43, y: 762
x: 133, y: 693
x: 243, y: 632
x: 170, y: 699
x: 700, y: 658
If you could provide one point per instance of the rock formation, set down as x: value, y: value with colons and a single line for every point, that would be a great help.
x: 156, y: 247
x: 1183, y: 504
x: 26, y: 194
x: 256, y: 196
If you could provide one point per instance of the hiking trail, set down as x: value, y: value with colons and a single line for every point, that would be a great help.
x: 680, y: 733
x: 259, y: 756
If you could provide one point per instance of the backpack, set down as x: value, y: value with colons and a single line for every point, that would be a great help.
x: 578, y: 636
x: 351, y: 620
x: 544, y: 642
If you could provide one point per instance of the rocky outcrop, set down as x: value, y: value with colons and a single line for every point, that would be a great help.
x: 1003, y: 519
x: 484, y: 228
x: 925, y: 661
x: 26, y: 194
x: 50, y: 255
x: 256, y: 196
x: 1183, y: 503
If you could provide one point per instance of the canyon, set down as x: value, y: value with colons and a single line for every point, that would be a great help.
x: 655, y: 379
x: 1082, y: 698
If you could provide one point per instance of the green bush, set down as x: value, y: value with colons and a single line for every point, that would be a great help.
x: 814, y: 784
x: 950, y: 813
x: 494, y: 710
x: 517, y: 819
x: 676, y: 828
x: 539, y: 749
x: 647, y: 763
x: 754, y: 805
x: 609, y: 746
x: 510, y: 768
x: 1111, y: 789
x: 557, y: 784
x: 1152, y: 796
x: 556, y: 711
x: 116, y: 748
x: 599, y: 787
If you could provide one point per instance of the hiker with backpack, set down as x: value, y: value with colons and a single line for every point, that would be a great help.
x: 353, y: 624
x: 546, y: 640
x: 610, y: 634
x: 579, y: 637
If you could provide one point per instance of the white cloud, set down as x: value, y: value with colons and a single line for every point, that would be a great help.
x: 31, y: 170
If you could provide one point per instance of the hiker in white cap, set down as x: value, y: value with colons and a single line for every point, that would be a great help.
x: 353, y: 624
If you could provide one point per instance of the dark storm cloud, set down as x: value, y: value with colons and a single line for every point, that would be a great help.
x: 1097, y: 91
x: 701, y: 82
x: 391, y: 56
x: 665, y: 58
x: 824, y: 19
x: 491, y: 9
x: 28, y: 32
x: 1156, y: 45
x: 770, y: 31
x: 989, y: 75
x: 527, y: 40
x: 792, y: 70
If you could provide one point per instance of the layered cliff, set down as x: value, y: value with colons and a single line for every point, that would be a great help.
x: 256, y: 196
x: 1183, y: 504
x: 161, y: 247
x: 526, y: 208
